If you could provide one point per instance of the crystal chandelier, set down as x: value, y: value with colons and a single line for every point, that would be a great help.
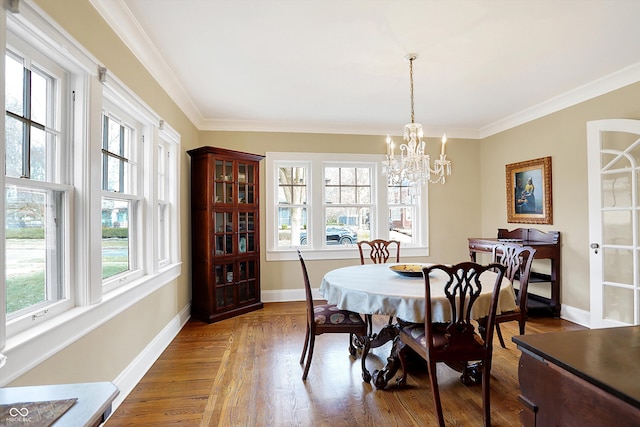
x: 414, y: 166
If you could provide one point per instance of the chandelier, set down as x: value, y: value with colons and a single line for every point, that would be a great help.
x: 413, y: 168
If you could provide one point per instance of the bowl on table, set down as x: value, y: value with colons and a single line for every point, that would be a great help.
x: 408, y: 270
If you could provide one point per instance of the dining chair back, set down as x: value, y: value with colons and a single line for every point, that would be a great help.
x: 455, y: 342
x: 379, y: 251
x: 328, y: 318
x: 517, y: 260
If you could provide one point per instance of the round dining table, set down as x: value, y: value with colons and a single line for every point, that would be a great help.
x: 377, y: 289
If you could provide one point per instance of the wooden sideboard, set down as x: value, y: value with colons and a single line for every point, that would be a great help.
x: 547, y: 246
x: 580, y: 378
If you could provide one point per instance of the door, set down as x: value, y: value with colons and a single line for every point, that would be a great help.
x: 614, y: 203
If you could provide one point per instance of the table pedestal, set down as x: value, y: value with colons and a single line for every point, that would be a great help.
x: 381, y: 377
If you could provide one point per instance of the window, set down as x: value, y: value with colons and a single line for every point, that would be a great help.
x: 88, y: 207
x: 37, y: 194
x: 326, y: 203
x: 120, y: 200
x: 292, y: 204
x: 167, y: 243
x: 348, y: 203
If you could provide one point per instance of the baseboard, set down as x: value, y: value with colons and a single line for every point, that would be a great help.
x: 575, y: 315
x: 284, y: 295
x: 129, y: 378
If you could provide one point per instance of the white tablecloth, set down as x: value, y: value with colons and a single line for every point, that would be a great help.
x: 375, y: 289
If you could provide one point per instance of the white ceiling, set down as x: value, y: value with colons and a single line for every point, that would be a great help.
x: 336, y: 66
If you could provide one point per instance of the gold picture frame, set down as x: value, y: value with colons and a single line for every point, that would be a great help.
x: 529, y: 192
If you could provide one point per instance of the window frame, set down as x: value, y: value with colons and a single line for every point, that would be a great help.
x: 316, y: 206
x: 90, y: 305
x: 55, y: 184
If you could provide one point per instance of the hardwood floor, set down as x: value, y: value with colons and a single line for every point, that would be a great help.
x: 245, y: 372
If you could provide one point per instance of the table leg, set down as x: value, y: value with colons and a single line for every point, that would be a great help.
x: 388, y: 333
x: 382, y: 377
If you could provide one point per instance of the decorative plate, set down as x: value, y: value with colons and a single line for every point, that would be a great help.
x: 408, y: 270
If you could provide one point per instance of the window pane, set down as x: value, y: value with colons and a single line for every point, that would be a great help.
x: 114, y: 181
x: 14, y: 86
x: 13, y: 141
x: 114, y: 143
x: 33, y: 255
x: 347, y: 176
x: 115, y: 237
x: 347, y: 185
x: 292, y: 226
x: 39, y: 99
x: 38, y: 155
x: 163, y: 232
x: 401, y: 224
x: 292, y: 185
x: 347, y: 225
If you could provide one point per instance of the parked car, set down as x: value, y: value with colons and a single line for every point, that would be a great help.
x: 335, y: 234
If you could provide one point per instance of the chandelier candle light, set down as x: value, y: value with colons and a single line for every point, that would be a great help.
x: 414, y: 166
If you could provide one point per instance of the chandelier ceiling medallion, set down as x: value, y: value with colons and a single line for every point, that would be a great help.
x: 414, y: 166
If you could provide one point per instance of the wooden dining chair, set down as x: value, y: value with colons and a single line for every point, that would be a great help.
x: 455, y: 342
x: 379, y: 251
x: 327, y: 318
x: 517, y: 260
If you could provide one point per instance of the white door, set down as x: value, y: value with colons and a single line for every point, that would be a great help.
x: 614, y: 203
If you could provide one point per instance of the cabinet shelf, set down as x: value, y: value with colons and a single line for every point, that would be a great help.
x: 225, y: 233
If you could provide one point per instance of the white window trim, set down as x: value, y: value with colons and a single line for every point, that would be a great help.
x: 93, y: 306
x: 316, y: 162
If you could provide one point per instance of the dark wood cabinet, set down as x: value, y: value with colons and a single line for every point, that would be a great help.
x: 225, y: 246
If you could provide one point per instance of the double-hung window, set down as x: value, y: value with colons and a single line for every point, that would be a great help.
x: 121, y: 199
x: 325, y: 203
x: 91, y: 185
x: 37, y: 193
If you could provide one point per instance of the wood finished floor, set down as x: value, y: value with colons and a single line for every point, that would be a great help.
x: 245, y: 372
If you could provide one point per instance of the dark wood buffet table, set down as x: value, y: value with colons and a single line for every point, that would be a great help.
x: 547, y: 246
x: 92, y: 407
x: 580, y: 378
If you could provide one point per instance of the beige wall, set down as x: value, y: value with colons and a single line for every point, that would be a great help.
x: 562, y: 136
x: 471, y: 204
x: 454, y: 207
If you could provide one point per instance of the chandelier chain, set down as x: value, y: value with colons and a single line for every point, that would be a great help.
x: 411, y: 87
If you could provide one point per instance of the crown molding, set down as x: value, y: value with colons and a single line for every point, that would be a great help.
x: 606, y: 84
x: 122, y: 21
x: 126, y: 27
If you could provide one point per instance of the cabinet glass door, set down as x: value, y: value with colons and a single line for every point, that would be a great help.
x: 224, y: 233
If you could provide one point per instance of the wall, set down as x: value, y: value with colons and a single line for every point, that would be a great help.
x: 562, y: 136
x: 454, y: 208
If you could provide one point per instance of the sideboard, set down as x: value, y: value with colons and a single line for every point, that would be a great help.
x: 547, y: 246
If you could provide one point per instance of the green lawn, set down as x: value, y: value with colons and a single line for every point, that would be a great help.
x: 29, y: 288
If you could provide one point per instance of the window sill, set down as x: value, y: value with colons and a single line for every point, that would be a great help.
x: 35, y: 345
x: 344, y: 252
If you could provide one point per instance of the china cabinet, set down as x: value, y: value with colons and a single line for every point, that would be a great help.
x: 225, y: 259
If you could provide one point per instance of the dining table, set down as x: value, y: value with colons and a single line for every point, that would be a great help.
x: 387, y: 290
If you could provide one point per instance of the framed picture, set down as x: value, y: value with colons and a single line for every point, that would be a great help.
x: 529, y: 192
